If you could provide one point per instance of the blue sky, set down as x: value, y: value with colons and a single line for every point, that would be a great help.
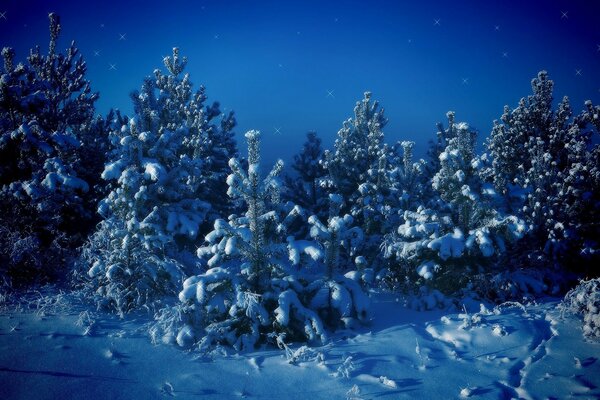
x: 295, y: 66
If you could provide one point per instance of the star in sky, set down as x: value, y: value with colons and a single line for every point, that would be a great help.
x: 122, y: 36
x: 496, y: 27
x: 3, y: 15
x: 578, y: 72
x: 112, y: 67
x: 505, y: 54
x: 330, y: 94
x: 277, y: 130
x: 564, y: 15
x: 216, y: 36
x: 436, y: 22
x: 465, y: 81
x: 96, y: 53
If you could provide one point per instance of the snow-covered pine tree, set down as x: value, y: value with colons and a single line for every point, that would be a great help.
x: 46, y: 106
x: 457, y: 181
x: 339, y: 298
x: 546, y: 163
x: 258, y: 286
x: 249, y: 273
x: 409, y: 187
x: 153, y: 214
x: 464, y: 232
x: 358, y: 171
x: 95, y: 151
x: 305, y: 189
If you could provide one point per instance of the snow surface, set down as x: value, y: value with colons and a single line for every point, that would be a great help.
x: 57, y: 348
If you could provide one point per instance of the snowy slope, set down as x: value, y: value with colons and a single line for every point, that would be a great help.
x: 58, y: 350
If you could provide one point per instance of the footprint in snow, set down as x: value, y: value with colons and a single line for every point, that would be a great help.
x: 256, y: 362
x: 116, y: 356
x: 167, y: 389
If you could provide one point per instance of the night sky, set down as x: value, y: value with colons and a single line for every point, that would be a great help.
x: 292, y: 66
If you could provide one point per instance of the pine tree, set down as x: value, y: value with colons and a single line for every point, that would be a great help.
x: 463, y: 233
x: 335, y: 296
x: 357, y: 148
x: 545, y: 162
x: 358, y: 170
x: 409, y: 183
x: 259, y: 287
x: 153, y: 214
x: 46, y: 106
x: 248, y: 274
x: 305, y: 190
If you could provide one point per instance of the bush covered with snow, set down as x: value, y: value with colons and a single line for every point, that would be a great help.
x: 584, y: 299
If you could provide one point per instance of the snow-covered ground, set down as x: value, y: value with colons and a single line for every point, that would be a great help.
x: 58, y: 350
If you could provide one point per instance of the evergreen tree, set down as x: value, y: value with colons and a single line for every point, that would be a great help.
x: 234, y: 301
x: 337, y: 297
x: 463, y: 233
x: 357, y: 148
x: 545, y: 162
x: 46, y: 107
x: 358, y: 170
x: 305, y: 190
x: 259, y: 287
x: 153, y: 214
x: 409, y: 184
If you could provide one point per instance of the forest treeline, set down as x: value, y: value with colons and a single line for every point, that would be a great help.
x: 137, y: 210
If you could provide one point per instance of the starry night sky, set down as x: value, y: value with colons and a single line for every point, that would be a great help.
x: 292, y: 66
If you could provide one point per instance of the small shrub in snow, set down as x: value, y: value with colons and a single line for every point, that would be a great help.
x: 353, y: 393
x: 584, y: 299
x: 300, y: 355
x: 346, y: 367
x: 385, y: 381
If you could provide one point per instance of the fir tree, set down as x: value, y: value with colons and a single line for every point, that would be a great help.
x: 234, y: 301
